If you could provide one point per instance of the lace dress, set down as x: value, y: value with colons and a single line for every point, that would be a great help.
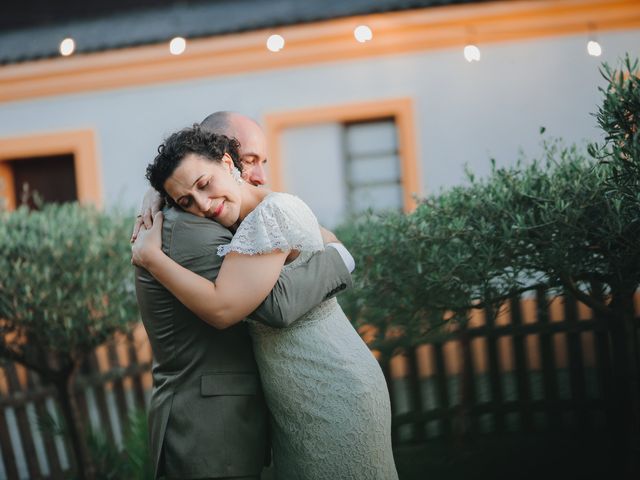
x: 328, y: 398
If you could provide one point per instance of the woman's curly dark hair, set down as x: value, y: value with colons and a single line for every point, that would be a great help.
x: 193, y: 139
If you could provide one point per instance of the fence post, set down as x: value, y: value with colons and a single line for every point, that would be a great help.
x: 576, y: 362
x: 522, y: 377
x: 8, y: 454
x: 55, y: 469
x: 416, y: 396
x: 24, y: 429
x: 548, y: 363
x: 100, y: 394
x: 443, y: 390
x: 468, y: 384
x: 495, y: 372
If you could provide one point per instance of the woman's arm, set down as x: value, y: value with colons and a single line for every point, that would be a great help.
x: 243, y: 283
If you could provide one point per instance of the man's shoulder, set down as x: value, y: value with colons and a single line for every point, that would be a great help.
x: 174, y: 217
x: 182, y: 231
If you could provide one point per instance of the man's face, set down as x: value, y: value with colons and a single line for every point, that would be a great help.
x: 253, y: 151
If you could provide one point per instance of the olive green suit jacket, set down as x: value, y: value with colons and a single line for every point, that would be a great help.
x: 207, y: 416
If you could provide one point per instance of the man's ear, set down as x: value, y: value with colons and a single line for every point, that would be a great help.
x: 228, y: 161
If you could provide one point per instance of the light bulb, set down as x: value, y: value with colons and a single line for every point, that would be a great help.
x: 67, y: 47
x: 275, y: 43
x: 362, y: 33
x: 177, y: 46
x: 594, y: 48
x: 472, y: 53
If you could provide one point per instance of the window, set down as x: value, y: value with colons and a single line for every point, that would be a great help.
x: 52, y: 179
x: 61, y: 166
x: 346, y: 158
x: 372, y: 166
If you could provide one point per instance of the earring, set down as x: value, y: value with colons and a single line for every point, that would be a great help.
x: 237, y: 176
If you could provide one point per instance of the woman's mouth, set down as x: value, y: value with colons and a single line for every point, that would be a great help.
x: 218, y: 210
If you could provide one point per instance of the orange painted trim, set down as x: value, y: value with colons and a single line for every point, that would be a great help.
x: 401, y: 109
x: 7, y: 191
x: 80, y: 143
x: 330, y: 41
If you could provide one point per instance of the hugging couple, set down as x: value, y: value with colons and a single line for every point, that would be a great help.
x: 253, y: 356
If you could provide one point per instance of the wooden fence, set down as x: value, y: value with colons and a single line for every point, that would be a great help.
x: 537, y: 365
x: 114, y: 381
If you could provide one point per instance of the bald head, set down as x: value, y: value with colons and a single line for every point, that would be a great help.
x: 253, y: 144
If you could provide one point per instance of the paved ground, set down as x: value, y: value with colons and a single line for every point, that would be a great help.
x: 510, y: 456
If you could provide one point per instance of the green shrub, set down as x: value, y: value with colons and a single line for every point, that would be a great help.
x: 566, y: 221
x: 66, y: 287
x: 133, y: 461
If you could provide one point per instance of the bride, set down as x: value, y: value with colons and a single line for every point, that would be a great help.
x: 328, y: 398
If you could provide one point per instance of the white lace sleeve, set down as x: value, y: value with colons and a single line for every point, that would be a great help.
x: 280, y: 222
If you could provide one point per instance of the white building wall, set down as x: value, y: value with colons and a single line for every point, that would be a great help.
x: 465, y: 113
x: 314, y: 174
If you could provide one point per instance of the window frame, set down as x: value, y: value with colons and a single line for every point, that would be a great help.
x: 400, y: 109
x: 79, y: 143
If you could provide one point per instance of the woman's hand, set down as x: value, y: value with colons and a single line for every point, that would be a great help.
x: 148, y: 243
x: 151, y: 204
x: 328, y: 236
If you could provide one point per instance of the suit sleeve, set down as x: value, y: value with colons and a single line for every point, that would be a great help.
x: 300, y: 289
x: 192, y: 241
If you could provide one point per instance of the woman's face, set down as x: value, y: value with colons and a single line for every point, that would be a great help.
x: 206, y: 188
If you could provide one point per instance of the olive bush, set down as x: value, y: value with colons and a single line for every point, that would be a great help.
x: 568, y: 220
x: 66, y: 286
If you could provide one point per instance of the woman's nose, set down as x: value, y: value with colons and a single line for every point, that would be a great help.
x: 203, y: 203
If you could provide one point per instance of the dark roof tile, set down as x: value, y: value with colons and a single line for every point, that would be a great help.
x: 140, y: 27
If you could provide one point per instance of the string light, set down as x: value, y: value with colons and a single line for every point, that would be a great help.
x: 363, y: 33
x: 472, y: 53
x: 471, y: 50
x: 67, y: 47
x: 594, y: 48
x: 177, y: 46
x: 275, y: 43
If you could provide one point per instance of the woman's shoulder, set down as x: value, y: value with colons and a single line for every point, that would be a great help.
x: 281, y: 221
x: 285, y: 203
x: 281, y: 199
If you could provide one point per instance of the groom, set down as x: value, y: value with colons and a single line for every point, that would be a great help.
x: 207, y: 416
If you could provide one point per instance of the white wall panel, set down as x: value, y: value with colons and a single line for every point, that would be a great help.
x: 314, y: 169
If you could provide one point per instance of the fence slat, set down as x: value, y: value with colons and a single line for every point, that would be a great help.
x: 522, y: 374
x: 386, y: 370
x: 6, y: 447
x: 55, y: 469
x: 548, y: 361
x: 443, y: 388
x: 469, y: 397
x: 603, y: 360
x: 495, y: 372
x: 138, y: 388
x: 416, y: 396
x: 101, y: 400
x: 576, y: 364
x: 26, y: 436
x: 118, y: 387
